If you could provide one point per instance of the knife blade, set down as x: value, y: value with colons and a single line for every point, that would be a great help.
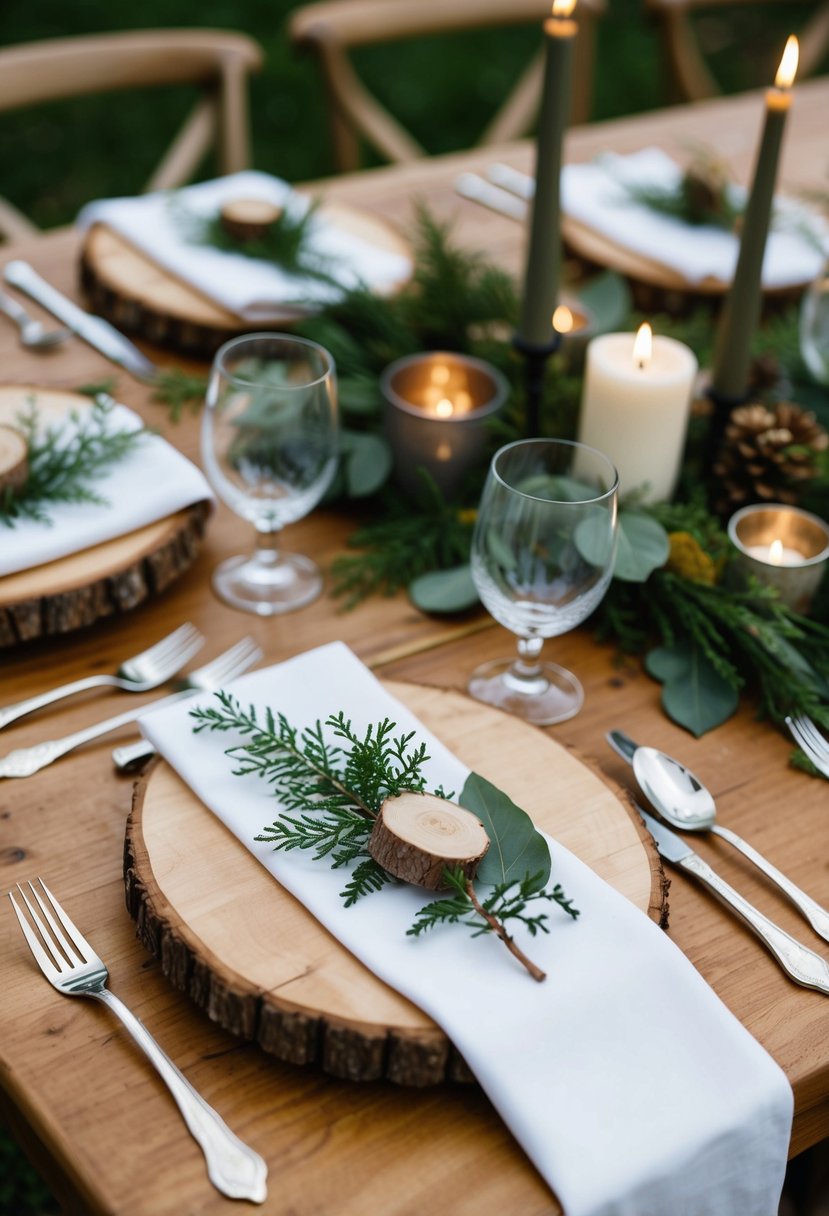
x: 803, y: 965
x: 104, y: 337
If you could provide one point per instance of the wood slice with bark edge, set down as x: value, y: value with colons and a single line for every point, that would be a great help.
x: 14, y: 458
x: 417, y: 836
x: 248, y: 219
x: 124, y: 285
x: 262, y: 966
x: 115, y: 576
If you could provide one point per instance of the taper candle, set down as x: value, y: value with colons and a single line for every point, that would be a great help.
x: 742, y: 306
x: 544, y: 246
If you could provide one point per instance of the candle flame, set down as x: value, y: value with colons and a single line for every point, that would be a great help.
x: 643, y: 346
x: 562, y: 319
x: 444, y: 408
x: 776, y: 552
x: 563, y: 8
x: 788, y: 64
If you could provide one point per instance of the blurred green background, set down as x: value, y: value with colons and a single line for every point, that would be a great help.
x: 57, y: 157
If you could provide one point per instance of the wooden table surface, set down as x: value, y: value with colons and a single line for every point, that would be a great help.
x: 95, y: 1117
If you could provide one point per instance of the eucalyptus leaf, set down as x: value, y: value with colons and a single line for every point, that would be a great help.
x: 516, y: 849
x: 642, y: 548
x: 359, y: 395
x: 608, y: 298
x: 444, y: 590
x: 366, y: 461
x: 694, y: 694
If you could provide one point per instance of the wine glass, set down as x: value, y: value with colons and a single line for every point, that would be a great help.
x: 269, y: 447
x: 814, y: 327
x: 542, y: 559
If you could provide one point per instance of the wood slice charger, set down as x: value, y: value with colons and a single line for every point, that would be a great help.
x: 249, y: 954
x: 124, y: 285
x: 109, y: 578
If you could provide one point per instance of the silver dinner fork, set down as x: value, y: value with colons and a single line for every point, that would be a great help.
x: 138, y: 674
x: 811, y: 741
x: 24, y: 761
x: 236, y: 660
x: 72, y: 967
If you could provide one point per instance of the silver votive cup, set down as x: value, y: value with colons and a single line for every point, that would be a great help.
x: 576, y: 324
x: 436, y: 408
x: 804, y: 538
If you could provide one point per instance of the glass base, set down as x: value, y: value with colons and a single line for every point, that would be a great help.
x: 267, y: 588
x: 551, y: 694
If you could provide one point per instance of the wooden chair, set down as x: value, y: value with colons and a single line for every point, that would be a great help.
x: 691, y: 76
x: 332, y: 28
x: 215, y: 61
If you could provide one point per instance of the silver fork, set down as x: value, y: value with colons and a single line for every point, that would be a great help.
x: 24, y: 761
x: 138, y: 674
x: 811, y: 741
x: 72, y: 967
x: 238, y: 659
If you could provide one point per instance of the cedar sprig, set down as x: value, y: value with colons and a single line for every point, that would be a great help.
x: 64, y: 460
x: 507, y: 901
x: 332, y: 794
x: 179, y: 390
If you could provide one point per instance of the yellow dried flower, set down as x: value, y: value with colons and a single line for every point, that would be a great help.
x: 467, y: 515
x: 689, y: 560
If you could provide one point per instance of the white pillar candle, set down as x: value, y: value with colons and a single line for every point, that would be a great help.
x: 635, y: 407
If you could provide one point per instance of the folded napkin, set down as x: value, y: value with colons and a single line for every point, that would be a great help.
x: 152, y: 480
x: 596, y: 194
x: 255, y: 290
x: 632, y: 1089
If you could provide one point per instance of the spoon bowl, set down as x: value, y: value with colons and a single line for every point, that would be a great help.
x: 680, y: 797
x: 33, y: 334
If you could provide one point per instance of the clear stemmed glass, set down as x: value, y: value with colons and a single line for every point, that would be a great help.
x: 542, y: 558
x: 269, y: 447
x: 814, y: 327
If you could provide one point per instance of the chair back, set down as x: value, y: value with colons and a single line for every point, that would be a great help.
x: 218, y: 63
x: 333, y: 28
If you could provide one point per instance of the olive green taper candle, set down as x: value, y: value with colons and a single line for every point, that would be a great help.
x: 741, y: 309
x: 544, y: 246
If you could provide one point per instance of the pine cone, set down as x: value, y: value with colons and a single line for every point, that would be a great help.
x: 767, y: 453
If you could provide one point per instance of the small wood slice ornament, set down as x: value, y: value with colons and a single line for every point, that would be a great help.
x: 416, y: 837
x: 248, y: 219
x: 14, y: 458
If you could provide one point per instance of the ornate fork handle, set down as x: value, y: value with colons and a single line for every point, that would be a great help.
x: 24, y: 761
x: 10, y: 713
x: 234, y: 1168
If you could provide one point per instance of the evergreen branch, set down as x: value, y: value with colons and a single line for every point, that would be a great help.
x: 63, y: 460
x: 331, y: 794
x: 177, y: 390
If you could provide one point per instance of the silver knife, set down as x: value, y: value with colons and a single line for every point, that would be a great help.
x: 802, y: 964
x: 94, y: 330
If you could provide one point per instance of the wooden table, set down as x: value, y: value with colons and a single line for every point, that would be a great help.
x: 95, y: 1119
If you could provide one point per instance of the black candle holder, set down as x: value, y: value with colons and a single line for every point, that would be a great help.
x: 722, y: 405
x: 535, y: 366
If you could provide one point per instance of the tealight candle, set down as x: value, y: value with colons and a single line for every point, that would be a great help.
x: 576, y: 324
x: 436, y: 410
x: 784, y: 547
x: 635, y: 406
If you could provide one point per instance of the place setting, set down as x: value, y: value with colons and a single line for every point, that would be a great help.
x: 512, y: 812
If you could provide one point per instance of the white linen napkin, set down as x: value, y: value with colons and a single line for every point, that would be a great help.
x: 152, y: 480
x: 253, y: 289
x: 632, y: 1089
x: 595, y: 194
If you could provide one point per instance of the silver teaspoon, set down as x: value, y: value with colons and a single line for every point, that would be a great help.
x: 683, y: 801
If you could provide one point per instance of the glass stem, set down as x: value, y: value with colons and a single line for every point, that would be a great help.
x: 267, y: 550
x: 527, y: 666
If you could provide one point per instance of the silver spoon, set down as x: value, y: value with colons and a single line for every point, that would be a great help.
x: 683, y: 801
x: 33, y: 333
